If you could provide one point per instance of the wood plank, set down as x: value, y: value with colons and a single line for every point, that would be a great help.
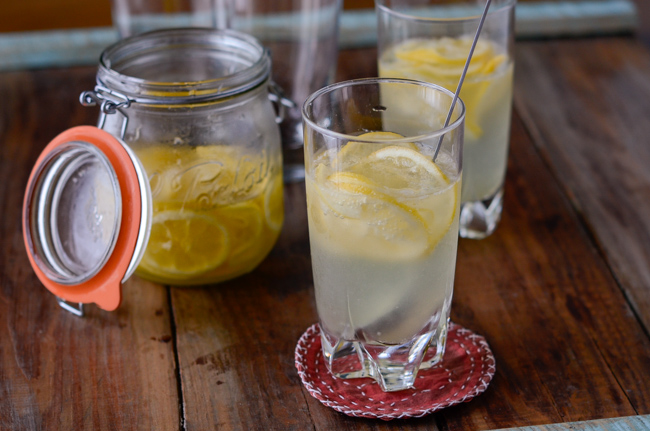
x: 630, y: 423
x: 58, y: 371
x: 567, y: 345
x: 593, y: 133
x: 236, y: 339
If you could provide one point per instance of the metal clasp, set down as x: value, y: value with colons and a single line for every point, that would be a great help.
x: 280, y: 100
x: 76, y: 309
x: 110, y: 102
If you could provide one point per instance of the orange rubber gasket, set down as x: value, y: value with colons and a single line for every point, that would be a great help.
x: 105, y: 288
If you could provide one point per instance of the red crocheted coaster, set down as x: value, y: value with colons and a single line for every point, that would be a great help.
x: 465, y: 372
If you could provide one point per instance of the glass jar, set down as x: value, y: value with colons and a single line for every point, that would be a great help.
x: 194, y: 106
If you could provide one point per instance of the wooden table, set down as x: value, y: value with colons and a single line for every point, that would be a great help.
x: 561, y: 291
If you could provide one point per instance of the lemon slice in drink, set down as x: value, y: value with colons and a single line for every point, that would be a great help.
x: 441, y: 61
x: 368, y: 223
x: 354, y: 151
x: 185, y: 243
x: 444, y: 51
x: 400, y: 169
x: 360, y: 185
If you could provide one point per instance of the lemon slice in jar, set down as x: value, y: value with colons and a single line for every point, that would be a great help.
x: 185, y: 243
x: 243, y: 223
x: 274, y: 203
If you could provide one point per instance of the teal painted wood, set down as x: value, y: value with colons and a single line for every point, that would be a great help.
x: 629, y: 423
x: 574, y: 18
x: 357, y: 29
x: 58, y: 48
x: 535, y: 19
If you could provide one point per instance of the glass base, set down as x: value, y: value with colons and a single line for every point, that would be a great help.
x: 480, y: 219
x: 393, y: 367
x: 293, y: 173
x: 293, y: 158
x: 293, y: 152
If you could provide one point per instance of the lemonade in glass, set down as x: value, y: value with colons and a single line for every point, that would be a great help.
x: 431, y: 43
x: 383, y: 225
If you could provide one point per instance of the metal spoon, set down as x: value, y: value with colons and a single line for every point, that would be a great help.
x: 462, y: 75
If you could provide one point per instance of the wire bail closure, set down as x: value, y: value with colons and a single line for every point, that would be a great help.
x: 280, y: 101
x: 74, y: 308
x: 110, y: 102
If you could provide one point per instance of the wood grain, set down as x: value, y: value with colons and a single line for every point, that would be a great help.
x: 550, y: 309
x: 630, y: 423
x: 595, y: 140
x: 57, y: 371
x: 236, y: 340
x: 559, y: 291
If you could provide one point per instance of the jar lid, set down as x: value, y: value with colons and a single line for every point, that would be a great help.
x: 184, y: 66
x: 86, y: 216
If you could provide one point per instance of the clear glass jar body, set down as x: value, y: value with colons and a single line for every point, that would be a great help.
x: 201, y: 123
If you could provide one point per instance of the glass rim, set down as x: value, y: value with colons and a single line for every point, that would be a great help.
x: 507, y: 4
x: 147, y: 91
x: 365, y: 81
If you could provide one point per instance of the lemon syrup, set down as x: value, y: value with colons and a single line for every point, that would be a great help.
x: 217, y: 212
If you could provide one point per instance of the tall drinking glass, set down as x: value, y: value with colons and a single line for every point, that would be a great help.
x: 303, y: 40
x: 429, y: 40
x: 383, y: 214
x: 301, y: 35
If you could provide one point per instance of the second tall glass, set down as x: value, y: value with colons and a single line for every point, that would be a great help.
x: 429, y: 40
